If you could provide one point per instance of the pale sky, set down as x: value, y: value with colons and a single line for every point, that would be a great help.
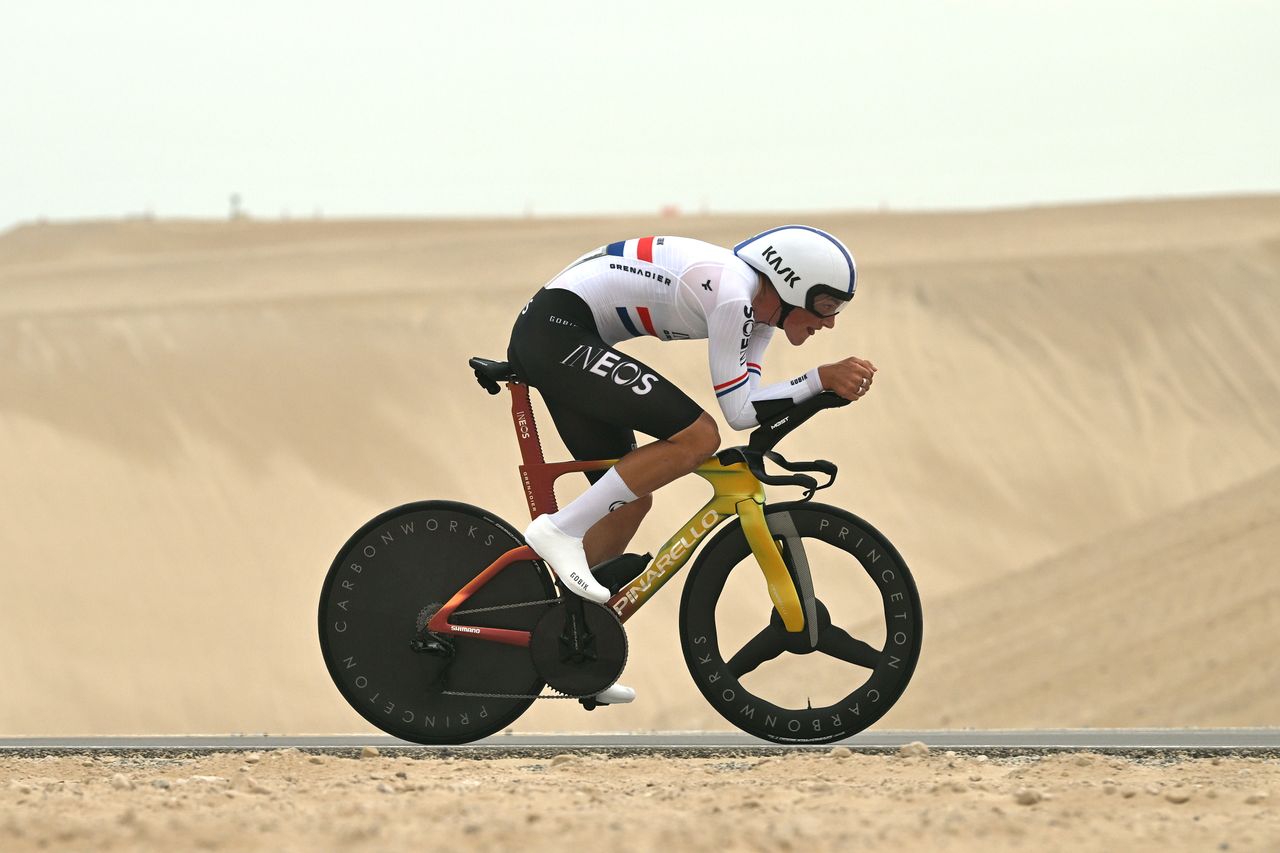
x: 430, y: 109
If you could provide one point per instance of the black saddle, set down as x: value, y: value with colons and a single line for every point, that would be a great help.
x: 489, y: 373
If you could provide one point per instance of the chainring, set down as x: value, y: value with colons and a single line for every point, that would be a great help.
x: 579, y: 652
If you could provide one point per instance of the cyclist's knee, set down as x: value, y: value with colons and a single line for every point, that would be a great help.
x: 702, y: 438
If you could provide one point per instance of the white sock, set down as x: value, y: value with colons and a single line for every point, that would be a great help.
x: 605, y: 495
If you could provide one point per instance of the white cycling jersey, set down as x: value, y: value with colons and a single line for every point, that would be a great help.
x: 676, y: 289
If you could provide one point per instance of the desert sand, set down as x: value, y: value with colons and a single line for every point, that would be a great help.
x: 286, y: 800
x: 1074, y: 440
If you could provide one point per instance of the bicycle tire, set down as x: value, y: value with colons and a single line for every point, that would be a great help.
x: 867, y: 702
x: 376, y: 596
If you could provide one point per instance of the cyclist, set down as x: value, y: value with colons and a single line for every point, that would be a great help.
x: 793, y: 278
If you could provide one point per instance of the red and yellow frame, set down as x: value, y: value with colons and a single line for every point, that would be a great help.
x: 736, y: 491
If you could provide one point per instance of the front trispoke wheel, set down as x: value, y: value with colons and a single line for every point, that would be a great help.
x: 862, y: 618
x: 764, y: 646
x: 837, y: 642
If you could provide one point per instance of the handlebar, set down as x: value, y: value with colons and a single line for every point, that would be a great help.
x: 755, y: 464
x: 763, y: 438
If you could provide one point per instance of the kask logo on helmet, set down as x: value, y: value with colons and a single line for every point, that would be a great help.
x: 610, y: 365
x: 773, y: 259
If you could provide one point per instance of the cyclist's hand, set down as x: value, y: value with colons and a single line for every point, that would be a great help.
x: 850, y: 378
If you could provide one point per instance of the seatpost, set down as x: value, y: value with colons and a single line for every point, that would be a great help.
x: 538, y: 491
x: 526, y: 427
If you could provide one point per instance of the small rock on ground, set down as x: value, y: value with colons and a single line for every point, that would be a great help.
x: 1027, y: 797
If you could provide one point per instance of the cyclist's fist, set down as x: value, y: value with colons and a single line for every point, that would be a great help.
x: 850, y: 378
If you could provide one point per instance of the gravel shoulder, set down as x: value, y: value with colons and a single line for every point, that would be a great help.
x: 915, y: 798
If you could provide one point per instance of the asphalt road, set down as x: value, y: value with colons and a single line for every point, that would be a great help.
x: 1262, y: 741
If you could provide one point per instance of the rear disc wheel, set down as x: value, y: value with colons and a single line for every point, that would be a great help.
x: 386, y: 581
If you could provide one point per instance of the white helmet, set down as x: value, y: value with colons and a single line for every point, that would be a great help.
x: 809, y: 268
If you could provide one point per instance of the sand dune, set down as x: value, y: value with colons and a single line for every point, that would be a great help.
x: 1169, y: 621
x: 195, y: 415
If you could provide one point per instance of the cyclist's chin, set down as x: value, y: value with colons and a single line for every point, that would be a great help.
x: 799, y: 334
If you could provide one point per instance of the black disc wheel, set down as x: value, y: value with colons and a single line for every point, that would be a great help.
x: 384, y: 585
x: 851, y: 661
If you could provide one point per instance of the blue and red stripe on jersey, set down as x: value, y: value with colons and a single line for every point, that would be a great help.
x: 734, y: 384
x: 641, y: 249
x: 626, y: 321
x: 646, y: 320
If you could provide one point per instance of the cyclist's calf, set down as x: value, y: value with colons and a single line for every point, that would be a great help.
x: 611, y: 534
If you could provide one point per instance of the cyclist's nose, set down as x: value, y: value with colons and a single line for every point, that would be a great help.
x: 829, y: 322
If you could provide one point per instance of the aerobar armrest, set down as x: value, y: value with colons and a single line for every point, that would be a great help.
x: 773, y: 429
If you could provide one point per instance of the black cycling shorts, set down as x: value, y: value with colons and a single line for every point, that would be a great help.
x: 596, y: 395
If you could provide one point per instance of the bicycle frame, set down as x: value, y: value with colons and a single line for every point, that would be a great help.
x: 736, y: 491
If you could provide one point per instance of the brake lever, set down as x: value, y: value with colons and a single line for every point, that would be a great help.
x: 822, y: 466
x: 755, y: 464
x: 804, y: 481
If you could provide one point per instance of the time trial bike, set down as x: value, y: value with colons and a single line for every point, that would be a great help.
x: 440, y: 626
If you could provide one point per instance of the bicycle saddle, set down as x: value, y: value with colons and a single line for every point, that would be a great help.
x: 489, y: 373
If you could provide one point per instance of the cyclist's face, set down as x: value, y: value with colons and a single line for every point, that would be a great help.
x: 801, y: 325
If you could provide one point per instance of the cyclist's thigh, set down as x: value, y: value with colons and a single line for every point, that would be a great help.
x: 588, y: 438
x: 575, y: 371
x: 609, y: 387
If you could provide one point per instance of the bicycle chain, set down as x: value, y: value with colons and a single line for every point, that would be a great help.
x: 555, y: 695
x: 505, y: 695
x: 505, y: 606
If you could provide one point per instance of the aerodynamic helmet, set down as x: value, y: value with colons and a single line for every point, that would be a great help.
x: 809, y: 268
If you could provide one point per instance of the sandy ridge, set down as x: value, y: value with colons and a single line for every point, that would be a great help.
x: 178, y: 478
x: 1174, y: 603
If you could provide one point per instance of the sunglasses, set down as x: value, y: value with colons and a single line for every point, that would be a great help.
x: 826, y: 305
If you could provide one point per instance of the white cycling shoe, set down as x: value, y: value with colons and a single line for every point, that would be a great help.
x: 567, y: 559
x: 618, y: 694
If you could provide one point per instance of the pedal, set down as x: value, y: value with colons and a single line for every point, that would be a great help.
x: 621, y: 570
x: 589, y: 704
